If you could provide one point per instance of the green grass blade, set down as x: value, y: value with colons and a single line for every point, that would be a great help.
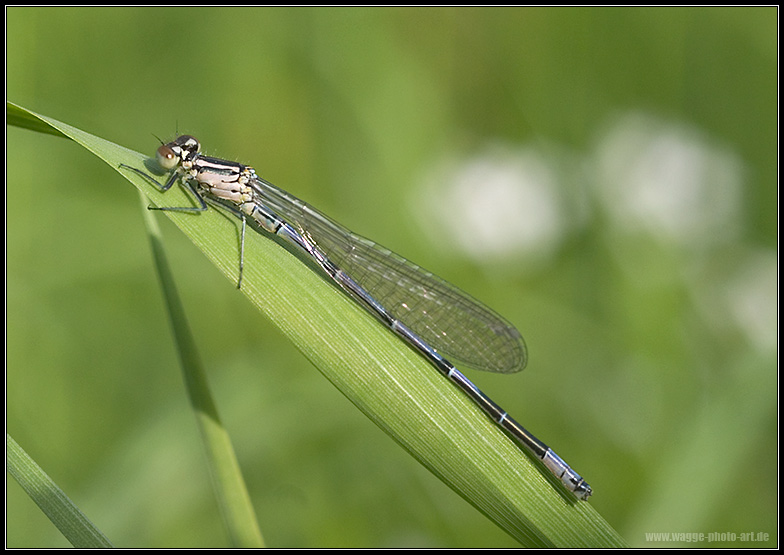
x: 55, y: 504
x: 233, y: 499
x: 385, y: 379
x: 19, y: 117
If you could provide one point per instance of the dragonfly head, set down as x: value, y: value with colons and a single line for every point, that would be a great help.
x: 181, y: 149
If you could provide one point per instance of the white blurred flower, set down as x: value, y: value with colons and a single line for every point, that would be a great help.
x: 668, y: 180
x: 500, y: 203
x: 741, y: 294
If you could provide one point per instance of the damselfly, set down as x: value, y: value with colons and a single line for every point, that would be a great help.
x: 433, y: 317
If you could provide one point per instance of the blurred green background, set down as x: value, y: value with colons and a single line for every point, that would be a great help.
x: 605, y: 178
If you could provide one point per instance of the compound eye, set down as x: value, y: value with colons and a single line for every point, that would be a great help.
x: 168, y: 156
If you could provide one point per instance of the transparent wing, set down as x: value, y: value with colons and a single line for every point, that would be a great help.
x: 449, y: 320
